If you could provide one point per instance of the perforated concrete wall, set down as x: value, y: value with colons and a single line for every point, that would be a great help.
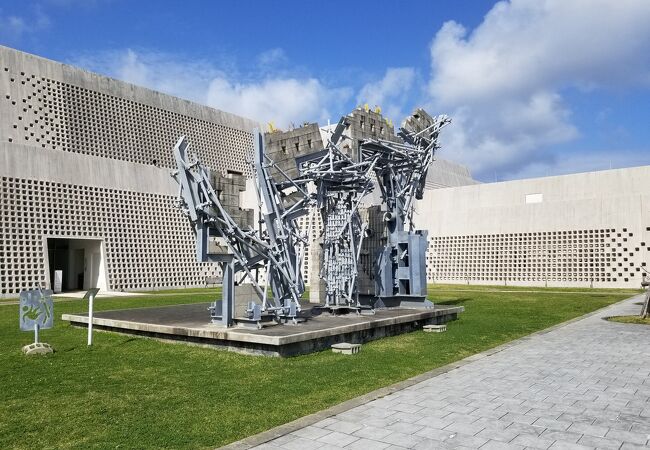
x: 56, y: 114
x: 574, y: 256
x: 85, y: 156
x: 147, y: 242
x: 589, y: 229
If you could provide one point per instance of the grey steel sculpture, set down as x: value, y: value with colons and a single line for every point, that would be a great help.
x: 341, y: 184
x: 278, y: 248
x: 401, y: 170
x: 335, y: 183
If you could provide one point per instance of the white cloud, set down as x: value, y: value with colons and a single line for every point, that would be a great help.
x: 390, y: 93
x: 283, y: 101
x: 13, y: 27
x: 189, y: 79
x: 503, y: 82
x: 272, y: 56
x: 278, y: 99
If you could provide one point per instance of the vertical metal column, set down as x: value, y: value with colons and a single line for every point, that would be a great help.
x: 228, y: 293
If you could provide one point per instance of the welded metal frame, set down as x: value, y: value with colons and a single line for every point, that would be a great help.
x: 401, y: 170
x: 273, y: 248
x: 341, y: 184
x: 334, y: 183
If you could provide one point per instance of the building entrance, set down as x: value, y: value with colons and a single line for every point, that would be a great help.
x: 80, y: 262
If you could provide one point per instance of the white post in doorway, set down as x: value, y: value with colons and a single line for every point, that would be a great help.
x: 90, y: 296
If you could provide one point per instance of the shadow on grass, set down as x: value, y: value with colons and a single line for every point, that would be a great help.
x: 456, y: 301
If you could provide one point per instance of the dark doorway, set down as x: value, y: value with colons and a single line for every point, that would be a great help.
x: 78, y: 259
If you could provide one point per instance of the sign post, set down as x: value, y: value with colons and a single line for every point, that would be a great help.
x: 90, y: 296
x: 36, y: 313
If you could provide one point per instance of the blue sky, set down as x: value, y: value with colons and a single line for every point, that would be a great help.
x: 534, y: 87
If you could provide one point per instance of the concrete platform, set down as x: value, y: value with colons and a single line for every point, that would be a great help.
x: 190, y: 324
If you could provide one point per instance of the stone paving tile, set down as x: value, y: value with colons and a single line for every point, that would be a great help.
x: 616, y: 424
x: 551, y: 424
x: 344, y: 427
x: 591, y: 430
x: 497, y: 445
x: 520, y: 418
x: 466, y: 428
x: 373, y: 433
x: 367, y: 444
x: 460, y: 418
x: 379, y: 422
x: 629, y: 436
x: 299, y: 443
x: 401, y: 439
x: 283, y: 439
x: 330, y: 447
x: 267, y: 446
x: 325, y: 422
x: 466, y: 440
x: 337, y: 438
x: 435, y: 434
x: 434, y: 422
x: 502, y: 436
x: 582, y: 386
x: 600, y: 443
x: 488, y: 413
x: 405, y: 427
x: 533, y: 441
x: 559, y: 445
x: 628, y: 446
x: 639, y: 428
x: 311, y: 432
x: 564, y: 436
x: 406, y: 417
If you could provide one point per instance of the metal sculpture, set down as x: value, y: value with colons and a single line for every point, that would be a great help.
x: 401, y: 170
x: 341, y: 184
x: 335, y: 183
x: 278, y: 248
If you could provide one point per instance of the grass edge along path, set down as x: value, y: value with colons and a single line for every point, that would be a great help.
x: 126, y: 391
x: 636, y: 320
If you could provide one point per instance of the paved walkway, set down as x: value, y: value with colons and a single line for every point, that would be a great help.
x: 583, y: 385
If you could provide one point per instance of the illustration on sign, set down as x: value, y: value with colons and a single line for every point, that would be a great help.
x: 36, y: 308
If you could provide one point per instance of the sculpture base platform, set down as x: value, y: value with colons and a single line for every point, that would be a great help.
x: 191, y: 324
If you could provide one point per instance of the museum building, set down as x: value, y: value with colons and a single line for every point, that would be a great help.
x: 85, y: 189
x: 586, y: 229
x: 85, y: 183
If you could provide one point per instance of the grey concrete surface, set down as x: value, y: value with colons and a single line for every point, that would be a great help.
x: 585, y: 385
x: 190, y: 324
x: 601, y: 217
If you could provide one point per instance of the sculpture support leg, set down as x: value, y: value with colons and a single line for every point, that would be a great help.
x: 228, y: 294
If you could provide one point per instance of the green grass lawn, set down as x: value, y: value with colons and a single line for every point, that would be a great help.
x: 127, y: 392
x: 630, y: 319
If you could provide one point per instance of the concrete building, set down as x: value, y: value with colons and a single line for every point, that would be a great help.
x: 85, y: 182
x: 85, y: 189
x: 586, y: 229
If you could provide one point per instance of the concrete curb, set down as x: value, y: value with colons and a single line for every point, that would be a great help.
x: 281, y: 430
